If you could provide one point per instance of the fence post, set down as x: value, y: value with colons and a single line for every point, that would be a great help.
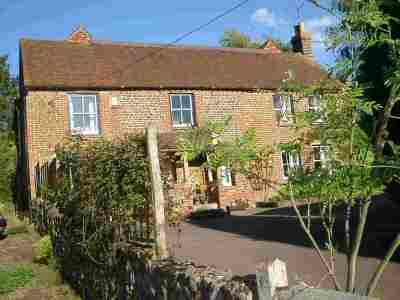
x: 157, y: 192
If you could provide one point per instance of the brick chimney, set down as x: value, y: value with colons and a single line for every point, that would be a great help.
x: 271, y: 47
x: 80, y: 36
x: 302, y: 41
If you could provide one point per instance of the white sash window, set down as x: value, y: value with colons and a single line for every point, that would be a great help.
x: 291, y: 161
x: 84, y: 116
x: 314, y: 106
x: 320, y: 156
x: 284, y: 108
x: 226, y: 176
x: 182, y: 110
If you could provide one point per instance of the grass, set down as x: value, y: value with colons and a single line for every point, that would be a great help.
x: 17, y: 230
x: 14, y: 277
x: 20, y: 277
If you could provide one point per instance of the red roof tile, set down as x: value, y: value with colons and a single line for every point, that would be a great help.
x: 104, y: 65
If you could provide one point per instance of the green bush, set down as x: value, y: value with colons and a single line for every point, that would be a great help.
x: 44, y: 251
x: 103, y: 190
x: 12, y: 278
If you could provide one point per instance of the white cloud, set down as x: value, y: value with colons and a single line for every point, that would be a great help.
x: 268, y: 18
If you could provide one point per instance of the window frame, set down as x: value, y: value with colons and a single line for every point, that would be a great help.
x: 293, y: 164
x: 72, y: 113
x: 172, y: 109
x: 286, y: 111
x: 226, y: 176
x: 324, y: 156
x: 315, y: 108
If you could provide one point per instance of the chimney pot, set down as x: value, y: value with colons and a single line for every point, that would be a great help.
x: 302, y: 41
x: 271, y: 47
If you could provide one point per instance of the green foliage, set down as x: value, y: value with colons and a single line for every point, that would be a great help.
x: 8, y: 88
x: 235, y: 39
x: 103, y: 176
x: 220, y: 150
x: 8, y: 95
x: 7, y: 163
x: 357, y: 169
x: 234, y: 153
x: 198, y: 141
x: 44, y: 250
x: 351, y: 157
x: 103, y: 190
x: 12, y: 278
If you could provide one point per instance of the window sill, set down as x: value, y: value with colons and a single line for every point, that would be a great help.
x: 285, y: 124
x: 87, y: 134
x: 318, y: 122
x: 183, y: 125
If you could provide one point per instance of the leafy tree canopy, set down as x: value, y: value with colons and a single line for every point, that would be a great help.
x: 233, y: 38
x: 8, y: 94
x: 8, y: 88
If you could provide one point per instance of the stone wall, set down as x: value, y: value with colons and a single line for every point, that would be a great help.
x: 170, y: 279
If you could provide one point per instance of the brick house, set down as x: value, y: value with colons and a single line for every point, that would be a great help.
x: 109, y: 89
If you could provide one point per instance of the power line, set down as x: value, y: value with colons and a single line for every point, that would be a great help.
x: 183, y: 36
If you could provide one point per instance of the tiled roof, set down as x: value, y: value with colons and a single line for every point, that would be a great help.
x: 106, y: 65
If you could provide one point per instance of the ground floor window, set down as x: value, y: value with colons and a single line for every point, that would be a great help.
x: 226, y: 176
x: 320, y: 156
x: 291, y: 161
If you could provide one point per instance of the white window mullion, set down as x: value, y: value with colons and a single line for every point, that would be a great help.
x: 191, y: 110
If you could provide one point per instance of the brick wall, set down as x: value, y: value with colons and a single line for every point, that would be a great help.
x: 48, y: 121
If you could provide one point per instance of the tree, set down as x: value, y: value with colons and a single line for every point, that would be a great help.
x: 359, y: 168
x: 209, y: 141
x: 8, y: 95
x: 235, y: 39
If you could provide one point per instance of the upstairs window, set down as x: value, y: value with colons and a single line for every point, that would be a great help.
x: 291, y: 162
x: 284, y: 108
x: 314, y: 103
x: 314, y: 106
x: 84, y: 114
x: 320, y: 156
x: 182, y: 110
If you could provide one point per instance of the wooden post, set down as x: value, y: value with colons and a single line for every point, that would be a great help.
x: 157, y: 192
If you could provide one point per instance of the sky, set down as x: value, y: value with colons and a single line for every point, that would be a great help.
x: 154, y: 21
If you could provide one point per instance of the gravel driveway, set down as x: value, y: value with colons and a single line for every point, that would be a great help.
x: 241, y: 241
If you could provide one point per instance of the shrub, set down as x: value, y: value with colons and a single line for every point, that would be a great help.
x: 103, y: 190
x: 44, y: 250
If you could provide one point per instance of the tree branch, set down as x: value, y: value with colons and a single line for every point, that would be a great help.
x: 379, y: 271
x: 314, y: 243
x: 357, y: 244
x: 317, y: 3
